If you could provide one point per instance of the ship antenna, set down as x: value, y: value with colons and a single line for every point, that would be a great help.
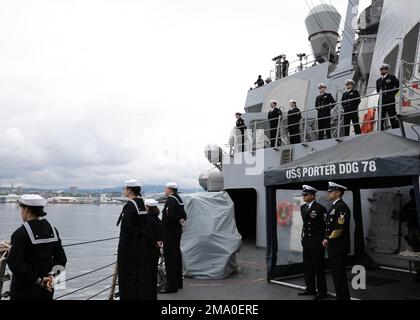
x: 345, y: 29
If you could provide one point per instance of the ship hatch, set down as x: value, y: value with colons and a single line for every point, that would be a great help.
x: 245, y: 201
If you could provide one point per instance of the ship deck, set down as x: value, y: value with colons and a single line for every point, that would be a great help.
x: 250, y: 283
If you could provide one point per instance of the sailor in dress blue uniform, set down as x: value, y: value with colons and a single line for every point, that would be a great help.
x: 130, y: 246
x: 173, y: 219
x: 152, y: 242
x: 36, y: 254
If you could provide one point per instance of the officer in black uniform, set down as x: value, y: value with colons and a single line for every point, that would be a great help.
x: 173, y: 219
x: 293, y: 122
x: 313, y: 216
x: 350, y: 102
x: 274, y: 116
x: 151, y: 247
x: 337, y: 239
x: 324, y: 104
x: 130, y: 246
x: 285, y: 67
x: 240, y: 125
x: 36, y: 255
x: 390, y: 83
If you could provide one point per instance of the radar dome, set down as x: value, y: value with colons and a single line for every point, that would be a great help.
x: 323, y: 23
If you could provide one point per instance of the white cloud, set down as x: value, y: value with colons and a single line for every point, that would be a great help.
x: 93, y: 92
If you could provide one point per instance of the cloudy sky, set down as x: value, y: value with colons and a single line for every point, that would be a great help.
x: 96, y: 91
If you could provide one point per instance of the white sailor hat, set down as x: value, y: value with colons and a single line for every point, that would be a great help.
x: 308, y: 190
x: 384, y: 66
x: 273, y: 101
x: 349, y: 81
x: 172, y: 185
x: 322, y: 85
x: 33, y: 200
x: 332, y: 186
x: 132, y: 183
x: 292, y: 101
x: 151, y: 202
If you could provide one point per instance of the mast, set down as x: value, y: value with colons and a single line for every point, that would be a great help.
x: 345, y: 63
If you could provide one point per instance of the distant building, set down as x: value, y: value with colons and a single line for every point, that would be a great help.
x: 63, y: 200
x: 19, y: 190
x: 74, y: 190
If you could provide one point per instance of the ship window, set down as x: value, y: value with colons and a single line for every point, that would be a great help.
x: 391, y: 59
x: 254, y: 109
x: 409, y: 51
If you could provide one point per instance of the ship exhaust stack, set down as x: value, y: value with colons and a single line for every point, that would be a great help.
x: 322, y: 24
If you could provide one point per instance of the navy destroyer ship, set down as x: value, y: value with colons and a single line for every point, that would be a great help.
x: 379, y: 166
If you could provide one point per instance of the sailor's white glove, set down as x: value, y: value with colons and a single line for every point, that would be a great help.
x: 4, y: 246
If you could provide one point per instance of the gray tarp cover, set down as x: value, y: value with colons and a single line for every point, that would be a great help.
x: 210, y: 239
x: 379, y: 154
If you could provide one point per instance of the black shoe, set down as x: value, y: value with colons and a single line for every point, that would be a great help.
x: 164, y: 291
x: 306, y: 293
x: 321, y: 296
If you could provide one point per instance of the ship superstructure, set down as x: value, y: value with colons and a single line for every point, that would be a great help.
x: 386, y: 32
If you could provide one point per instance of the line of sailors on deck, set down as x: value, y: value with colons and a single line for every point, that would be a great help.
x: 36, y: 256
x: 141, y: 237
x: 324, y: 104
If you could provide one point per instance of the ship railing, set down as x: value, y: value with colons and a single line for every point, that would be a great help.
x: 409, y: 87
x: 81, y: 289
x: 308, y: 127
x: 295, y: 66
x: 4, y: 248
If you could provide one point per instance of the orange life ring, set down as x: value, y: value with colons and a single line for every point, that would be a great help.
x: 284, y: 214
x: 369, y: 121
